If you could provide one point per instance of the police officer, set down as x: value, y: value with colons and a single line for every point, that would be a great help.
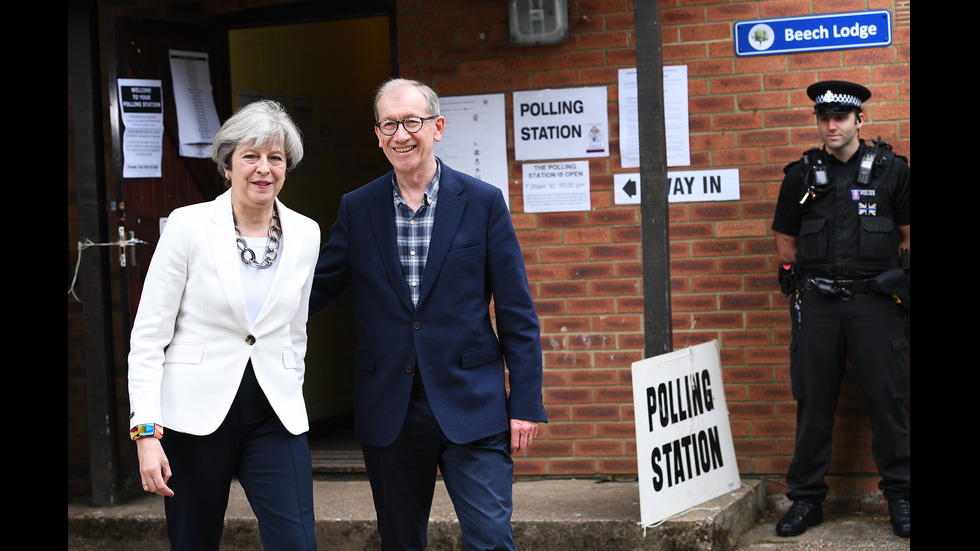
x: 841, y: 224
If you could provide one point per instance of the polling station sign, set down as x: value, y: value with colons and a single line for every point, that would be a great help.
x: 811, y: 33
x: 570, y: 123
x: 684, y: 449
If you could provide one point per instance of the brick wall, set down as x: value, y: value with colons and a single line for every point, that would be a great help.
x: 585, y: 272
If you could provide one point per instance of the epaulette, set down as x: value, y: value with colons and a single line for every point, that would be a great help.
x: 885, y: 154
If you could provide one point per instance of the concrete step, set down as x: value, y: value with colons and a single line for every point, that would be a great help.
x: 549, y: 515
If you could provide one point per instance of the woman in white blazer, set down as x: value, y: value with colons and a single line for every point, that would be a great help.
x: 218, y: 347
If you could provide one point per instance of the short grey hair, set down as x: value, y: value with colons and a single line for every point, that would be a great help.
x: 259, y: 123
x: 391, y: 86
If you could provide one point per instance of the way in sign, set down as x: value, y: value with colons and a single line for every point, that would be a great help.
x: 685, y: 185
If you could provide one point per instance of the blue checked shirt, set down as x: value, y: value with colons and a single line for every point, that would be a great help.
x: 414, y: 230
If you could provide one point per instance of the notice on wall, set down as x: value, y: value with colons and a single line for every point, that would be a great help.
x: 556, y: 187
x: 676, y: 120
x: 197, y: 117
x: 570, y: 123
x: 684, y: 449
x: 141, y: 107
x: 703, y: 185
x: 682, y: 187
x: 626, y: 188
x: 475, y: 139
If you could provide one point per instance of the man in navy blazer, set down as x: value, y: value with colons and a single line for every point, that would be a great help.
x: 427, y: 248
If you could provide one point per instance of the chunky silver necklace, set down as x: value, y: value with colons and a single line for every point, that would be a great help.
x: 271, y: 246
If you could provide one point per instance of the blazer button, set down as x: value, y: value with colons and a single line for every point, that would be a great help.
x: 408, y: 369
x: 250, y: 340
x: 416, y: 325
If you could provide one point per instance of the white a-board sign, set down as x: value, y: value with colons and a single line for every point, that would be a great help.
x: 684, y: 449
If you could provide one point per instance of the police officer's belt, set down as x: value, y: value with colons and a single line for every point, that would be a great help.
x: 844, y: 289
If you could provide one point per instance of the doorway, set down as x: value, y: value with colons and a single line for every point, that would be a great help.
x: 325, y: 73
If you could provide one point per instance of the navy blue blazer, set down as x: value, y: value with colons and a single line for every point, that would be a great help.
x: 473, y: 256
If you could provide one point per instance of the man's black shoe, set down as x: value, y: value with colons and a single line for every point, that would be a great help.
x: 899, y: 513
x: 802, y: 515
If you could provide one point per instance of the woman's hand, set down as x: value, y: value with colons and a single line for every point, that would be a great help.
x: 154, y: 467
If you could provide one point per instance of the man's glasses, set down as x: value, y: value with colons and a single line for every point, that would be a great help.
x: 411, y: 125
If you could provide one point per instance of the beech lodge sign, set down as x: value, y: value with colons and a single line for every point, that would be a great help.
x: 811, y: 33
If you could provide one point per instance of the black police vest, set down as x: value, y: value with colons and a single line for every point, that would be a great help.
x: 849, y: 231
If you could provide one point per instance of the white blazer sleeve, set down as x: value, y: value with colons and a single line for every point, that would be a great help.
x: 156, y: 318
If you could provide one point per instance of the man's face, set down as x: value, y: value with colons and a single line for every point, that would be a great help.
x: 411, y: 154
x: 839, y: 131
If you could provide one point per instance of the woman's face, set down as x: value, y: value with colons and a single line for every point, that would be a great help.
x: 257, y: 174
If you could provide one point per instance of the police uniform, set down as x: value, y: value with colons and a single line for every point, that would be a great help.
x: 847, y: 233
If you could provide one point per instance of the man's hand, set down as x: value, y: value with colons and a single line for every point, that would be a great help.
x: 521, y: 434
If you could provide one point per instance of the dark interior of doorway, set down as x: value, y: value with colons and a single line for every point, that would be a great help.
x: 325, y: 73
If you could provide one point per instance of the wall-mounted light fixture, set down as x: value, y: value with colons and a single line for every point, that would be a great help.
x: 538, y: 22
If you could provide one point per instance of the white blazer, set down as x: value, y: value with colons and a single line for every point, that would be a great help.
x: 190, y: 340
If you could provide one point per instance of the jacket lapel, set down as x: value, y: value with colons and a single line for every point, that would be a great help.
x: 382, y: 217
x: 287, y: 262
x: 449, y: 213
x: 221, y: 239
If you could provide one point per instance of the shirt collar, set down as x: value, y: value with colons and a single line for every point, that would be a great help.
x: 431, y: 193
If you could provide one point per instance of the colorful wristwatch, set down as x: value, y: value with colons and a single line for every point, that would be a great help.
x: 145, y: 431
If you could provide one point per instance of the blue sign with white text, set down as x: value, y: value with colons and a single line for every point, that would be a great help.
x: 812, y: 33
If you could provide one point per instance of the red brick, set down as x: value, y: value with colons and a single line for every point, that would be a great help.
x: 724, y: 320
x: 590, y: 306
x: 578, y: 236
x: 551, y: 448
x: 571, y: 466
x: 568, y: 395
x: 691, y: 231
x: 743, y: 265
x: 716, y: 284
x: 566, y: 324
x: 563, y: 289
x: 595, y: 413
x: 567, y: 360
x: 745, y: 338
x: 537, y: 238
x: 617, y: 323
x: 614, y: 216
x: 556, y: 79
x: 613, y: 252
x: 527, y: 467
x: 693, y: 303
x: 741, y: 228
x: 525, y: 63
x: 540, y: 272
x: 604, y: 40
x: 681, y: 16
x: 750, y: 411
x: 563, y: 254
x: 622, y: 56
x: 590, y: 271
x: 617, y: 466
x: 618, y: 395
x: 593, y: 377
x: 570, y: 430
x: 598, y: 447
x: 706, y: 32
